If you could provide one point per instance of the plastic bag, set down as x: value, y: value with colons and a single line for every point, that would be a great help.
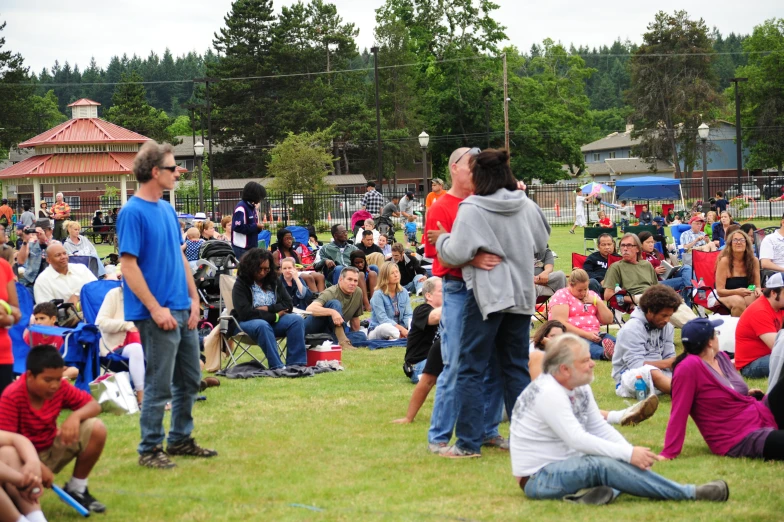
x: 114, y: 394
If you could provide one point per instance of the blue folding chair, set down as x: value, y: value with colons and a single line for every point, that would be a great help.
x: 300, y: 234
x: 92, y: 297
x: 81, y: 349
x: 19, y: 346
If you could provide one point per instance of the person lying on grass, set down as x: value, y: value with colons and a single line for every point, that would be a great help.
x: 20, y: 480
x: 562, y: 448
x: 31, y: 406
x: 734, y: 420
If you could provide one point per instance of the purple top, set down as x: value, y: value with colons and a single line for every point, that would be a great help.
x: 720, y: 407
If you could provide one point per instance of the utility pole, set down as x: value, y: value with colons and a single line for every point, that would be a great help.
x: 207, y: 82
x: 380, y: 179
x: 192, y: 107
x: 738, y: 142
x: 506, y: 107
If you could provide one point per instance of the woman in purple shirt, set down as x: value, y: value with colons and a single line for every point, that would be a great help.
x: 733, y: 420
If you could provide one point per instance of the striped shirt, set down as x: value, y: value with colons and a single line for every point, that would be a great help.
x: 39, y: 426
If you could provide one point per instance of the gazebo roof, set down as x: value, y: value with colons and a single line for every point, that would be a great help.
x: 85, y: 131
x: 93, y: 163
x: 84, y: 101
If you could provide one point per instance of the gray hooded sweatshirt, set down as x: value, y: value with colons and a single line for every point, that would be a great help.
x: 638, y: 342
x: 509, y: 225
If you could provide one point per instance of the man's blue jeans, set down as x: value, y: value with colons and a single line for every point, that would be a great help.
x: 597, y: 349
x: 316, y: 325
x: 556, y: 480
x: 442, y: 421
x: 291, y: 326
x: 503, y: 335
x: 757, y: 369
x: 680, y: 281
x: 414, y: 286
x: 418, y: 369
x: 172, y: 374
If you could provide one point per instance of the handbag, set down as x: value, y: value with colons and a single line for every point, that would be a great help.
x: 114, y: 394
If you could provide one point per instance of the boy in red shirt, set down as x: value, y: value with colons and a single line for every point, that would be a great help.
x: 45, y: 314
x: 757, y: 329
x: 31, y: 406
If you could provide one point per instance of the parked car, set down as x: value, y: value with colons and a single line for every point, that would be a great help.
x: 774, y: 188
x: 749, y: 190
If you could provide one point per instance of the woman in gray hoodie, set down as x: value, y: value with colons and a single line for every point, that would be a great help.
x: 499, y: 219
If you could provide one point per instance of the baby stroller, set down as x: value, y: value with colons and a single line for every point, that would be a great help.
x: 215, y: 258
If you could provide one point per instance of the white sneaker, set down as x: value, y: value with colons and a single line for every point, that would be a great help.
x: 644, y: 409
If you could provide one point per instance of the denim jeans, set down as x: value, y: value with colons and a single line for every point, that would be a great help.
x: 442, y: 421
x: 596, y: 286
x: 597, y: 349
x: 292, y: 326
x: 315, y: 325
x: 172, y: 374
x: 418, y: 369
x: 757, y: 369
x: 414, y: 286
x: 680, y: 280
x: 502, y: 334
x: 566, y: 477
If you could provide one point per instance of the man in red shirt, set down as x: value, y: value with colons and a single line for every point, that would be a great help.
x: 757, y: 329
x: 30, y: 407
x: 443, y: 214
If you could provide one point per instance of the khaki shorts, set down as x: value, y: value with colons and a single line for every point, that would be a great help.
x: 58, y: 455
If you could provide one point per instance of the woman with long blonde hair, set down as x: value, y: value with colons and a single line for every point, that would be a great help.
x: 390, y: 305
x: 736, y: 271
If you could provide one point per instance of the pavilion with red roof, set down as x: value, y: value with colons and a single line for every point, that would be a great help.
x: 82, y: 152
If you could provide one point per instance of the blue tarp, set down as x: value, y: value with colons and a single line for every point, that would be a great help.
x: 648, y: 189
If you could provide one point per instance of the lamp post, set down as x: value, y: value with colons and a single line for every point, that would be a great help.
x: 424, y: 139
x: 703, y: 130
x: 738, y: 141
x: 198, y: 153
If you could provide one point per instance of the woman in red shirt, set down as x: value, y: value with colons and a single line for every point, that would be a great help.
x: 9, y: 315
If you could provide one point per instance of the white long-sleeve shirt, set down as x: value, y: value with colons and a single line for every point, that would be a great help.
x: 551, y: 424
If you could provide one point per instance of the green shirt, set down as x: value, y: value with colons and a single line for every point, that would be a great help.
x: 351, y: 304
x: 635, y: 279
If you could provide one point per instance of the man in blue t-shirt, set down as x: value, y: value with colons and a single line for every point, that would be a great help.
x: 161, y: 299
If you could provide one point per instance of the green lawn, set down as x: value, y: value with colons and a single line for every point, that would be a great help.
x: 323, y: 449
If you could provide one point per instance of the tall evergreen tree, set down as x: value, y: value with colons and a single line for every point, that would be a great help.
x: 14, y: 109
x: 131, y: 110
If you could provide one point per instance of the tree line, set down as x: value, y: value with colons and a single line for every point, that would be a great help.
x: 440, y: 67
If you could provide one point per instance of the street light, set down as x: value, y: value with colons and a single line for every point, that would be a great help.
x: 198, y: 152
x: 738, y: 140
x: 424, y: 139
x: 703, y: 130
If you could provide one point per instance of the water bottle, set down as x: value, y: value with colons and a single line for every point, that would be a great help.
x: 618, y: 296
x: 640, y: 389
x: 701, y: 289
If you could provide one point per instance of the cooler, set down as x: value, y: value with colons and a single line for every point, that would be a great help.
x: 324, y: 355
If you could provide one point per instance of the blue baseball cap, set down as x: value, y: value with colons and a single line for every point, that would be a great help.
x: 698, y: 331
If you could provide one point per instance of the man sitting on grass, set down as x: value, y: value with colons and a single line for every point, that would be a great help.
x: 337, y: 306
x: 424, y: 328
x: 20, y: 480
x: 561, y: 447
x: 645, y: 345
x: 31, y: 406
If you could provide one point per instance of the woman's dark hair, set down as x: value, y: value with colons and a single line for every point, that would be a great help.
x: 356, y: 254
x: 748, y: 228
x: 490, y: 172
x: 42, y: 358
x: 282, y: 233
x: 251, y: 261
x: 689, y: 349
x: 659, y: 297
x: 544, y: 330
x: 644, y: 235
x: 253, y: 192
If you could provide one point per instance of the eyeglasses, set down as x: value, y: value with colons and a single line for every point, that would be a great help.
x: 739, y: 240
x: 472, y: 151
x: 628, y: 245
x: 172, y: 168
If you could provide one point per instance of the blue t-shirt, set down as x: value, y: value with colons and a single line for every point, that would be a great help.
x: 411, y: 228
x: 150, y: 232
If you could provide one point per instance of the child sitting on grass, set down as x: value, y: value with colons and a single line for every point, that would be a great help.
x: 45, y: 314
x: 411, y: 231
x: 193, y: 243
x: 20, y: 480
x: 31, y: 406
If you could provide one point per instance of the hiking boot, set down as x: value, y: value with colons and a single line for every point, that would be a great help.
x: 597, y: 496
x: 455, y: 452
x: 189, y: 448
x: 437, y: 447
x: 157, y: 459
x: 87, y: 501
x: 716, y: 491
x: 609, y: 348
x: 345, y: 344
x: 209, y: 382
x: 497, y: 442
x: 644, y: 409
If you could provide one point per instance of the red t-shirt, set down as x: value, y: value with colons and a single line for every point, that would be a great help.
x: 39, y: 339
x: 6, y: 275
x: 605, y: 222
x: 39, y: 426
x: 444, y: 210
x: 758, y: 319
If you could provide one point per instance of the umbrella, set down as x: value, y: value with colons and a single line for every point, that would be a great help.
x: 595, y: 188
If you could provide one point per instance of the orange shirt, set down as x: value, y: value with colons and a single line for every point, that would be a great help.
x: 61, y: 210
x: 432, y: 197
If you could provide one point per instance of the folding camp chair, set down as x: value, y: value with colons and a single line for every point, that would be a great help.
x: 653, y: 229
x: 92, y: 297
x: 19, y: 346
x: 759, y: 235
x: 88, y: 261
x: 234, y: 341
x: 677, y: 231
x: 704, y: 264
x: 593, y: 233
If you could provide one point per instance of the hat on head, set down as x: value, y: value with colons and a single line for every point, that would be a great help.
x: 775, y: 281
x: 20, y: 225
x: 698, y: 331
x: 200, y: 216
x: 43, y: 223
x: 410, y: 193
x: 437, y: 181
x: 696, y: 218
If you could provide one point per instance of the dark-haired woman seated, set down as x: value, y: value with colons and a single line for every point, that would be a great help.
x: 733, y: 420
x: 264, y: 309
x: 736, y: 271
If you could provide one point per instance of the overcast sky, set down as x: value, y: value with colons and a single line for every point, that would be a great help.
x: 48, y: 30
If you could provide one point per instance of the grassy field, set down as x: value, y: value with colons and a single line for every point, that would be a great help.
x: 324, y: 449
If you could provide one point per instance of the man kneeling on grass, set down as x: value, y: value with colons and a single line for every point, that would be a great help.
x: 30, y: 407
x: 561, y: 447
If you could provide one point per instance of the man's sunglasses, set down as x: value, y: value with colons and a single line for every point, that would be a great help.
x: 472, y: 151
x: 171, y: 169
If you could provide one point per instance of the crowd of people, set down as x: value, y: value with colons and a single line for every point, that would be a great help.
x: 485, y: 265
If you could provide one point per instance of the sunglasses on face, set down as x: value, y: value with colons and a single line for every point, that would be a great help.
x: 172, y: 168
x: 472, y: 151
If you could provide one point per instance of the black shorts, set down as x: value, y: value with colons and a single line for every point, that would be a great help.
x: 435, y: 364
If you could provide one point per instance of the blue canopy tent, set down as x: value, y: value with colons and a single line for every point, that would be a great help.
x: 649, y: 188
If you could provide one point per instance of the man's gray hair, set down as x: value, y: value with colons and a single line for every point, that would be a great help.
x: 456, y: 154
x: 429, y: 286
x: 561, y: 350
x: 348, y: 269
x: 150, y: 155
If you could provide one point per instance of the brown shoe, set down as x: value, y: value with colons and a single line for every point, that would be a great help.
x: 346, y: 345
x: 212, y: 382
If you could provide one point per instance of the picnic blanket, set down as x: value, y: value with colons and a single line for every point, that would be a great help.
x: 252, y: 369
x: 378, y: 344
